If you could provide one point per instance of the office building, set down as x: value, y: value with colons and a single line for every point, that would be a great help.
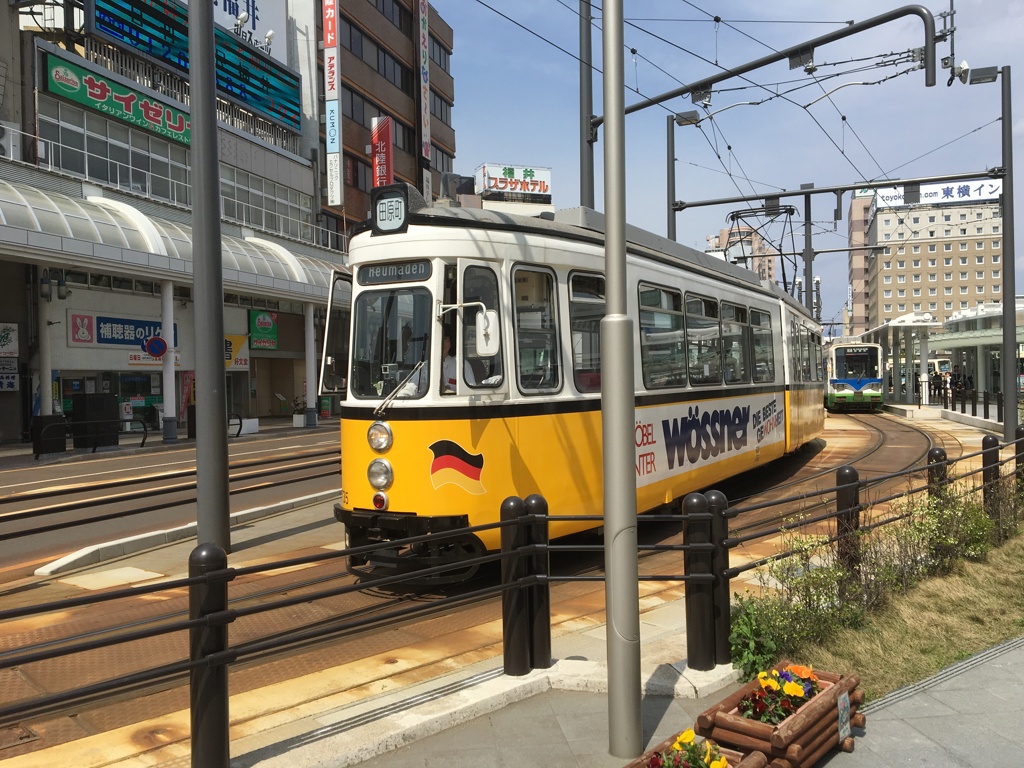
x: 96, y: 189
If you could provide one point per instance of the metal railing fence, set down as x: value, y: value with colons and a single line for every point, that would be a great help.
x: 524, y: 588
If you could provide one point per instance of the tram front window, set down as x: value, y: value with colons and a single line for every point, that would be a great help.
x: 390, y: 337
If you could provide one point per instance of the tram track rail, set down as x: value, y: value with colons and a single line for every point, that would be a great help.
x: 162, y: 476
x: 881, y: 464
x: 244, y: 477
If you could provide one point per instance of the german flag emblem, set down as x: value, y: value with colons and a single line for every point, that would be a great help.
x: 453, y: 464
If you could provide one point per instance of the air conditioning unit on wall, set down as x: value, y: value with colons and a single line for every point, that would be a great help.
x: 10, y: 141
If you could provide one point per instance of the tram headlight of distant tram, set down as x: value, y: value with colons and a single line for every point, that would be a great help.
x: 379, y: 436
x: 379, y: 474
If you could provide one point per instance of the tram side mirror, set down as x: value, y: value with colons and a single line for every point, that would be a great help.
x: 487, y: 336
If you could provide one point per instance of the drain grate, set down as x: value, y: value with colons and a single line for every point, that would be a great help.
x: 13, y: 735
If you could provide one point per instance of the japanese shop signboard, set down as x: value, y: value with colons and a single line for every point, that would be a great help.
x: 262, y: 329
x: 8, y: 339
x: 380, y: 141
x: 497, y: 181
x: 86, y: 328
x: 244, y: 73
x: 118, y: 101
x: 423, y: 28
x: 948, y: 192
x: 332, y: 112
x: 236, y: 352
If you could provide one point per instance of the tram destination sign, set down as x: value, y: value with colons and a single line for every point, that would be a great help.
x: 389, y: 208
x: 395, y: 272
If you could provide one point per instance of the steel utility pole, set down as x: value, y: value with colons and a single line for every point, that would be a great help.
x: 618, y: 409
x: 212, y: 507
x: 1009, y: 352
x: 587, y: 132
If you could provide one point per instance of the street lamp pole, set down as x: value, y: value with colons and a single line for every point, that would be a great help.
x: 1009, y: 354
x: 679, y: 118
x: 670, y: 143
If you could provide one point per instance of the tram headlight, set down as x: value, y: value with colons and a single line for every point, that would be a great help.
x: 379, y: 436
x: 379, y: 474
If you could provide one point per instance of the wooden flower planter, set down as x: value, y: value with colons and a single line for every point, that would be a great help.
x: 736, y: 759
x: 799, y: 741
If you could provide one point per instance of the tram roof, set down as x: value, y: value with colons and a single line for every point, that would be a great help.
x: 587, y: 224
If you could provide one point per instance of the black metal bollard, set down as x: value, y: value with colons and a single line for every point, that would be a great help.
x: 989, y: 472
x: 717, y: 506
x: 539, y: 595
x: 208, y: 685
x: 848, y: 519
x: 700, y: 607
x: 985, y: 404
x: 999, y: 406
x: 515, y: 622
x: 936, y: 472
x: 974, y: 402
x: 1018, y: 458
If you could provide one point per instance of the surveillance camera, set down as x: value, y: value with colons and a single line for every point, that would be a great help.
x: 947, y: 62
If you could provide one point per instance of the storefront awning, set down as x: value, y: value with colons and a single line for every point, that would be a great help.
x: 98, y: 233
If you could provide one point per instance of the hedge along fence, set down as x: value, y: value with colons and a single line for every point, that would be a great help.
x: 878, y: 548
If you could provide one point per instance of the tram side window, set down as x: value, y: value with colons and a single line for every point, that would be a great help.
x: 703, y: 341
x: 586, y: 308
x: 763, y: 344
x: 794, y: 351
x: 536, y: 326
x: 816, y: 361
x: 804, y: 354
x: 662, y: 340
x: 479, y: 284
x: 734, y: 344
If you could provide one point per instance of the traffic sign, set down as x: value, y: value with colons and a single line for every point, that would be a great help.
x: 155, y: 346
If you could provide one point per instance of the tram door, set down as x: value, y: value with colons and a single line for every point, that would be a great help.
x: 479, y: 291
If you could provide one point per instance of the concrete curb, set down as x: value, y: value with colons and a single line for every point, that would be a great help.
x: 354, y: 734
x: 111, y: 550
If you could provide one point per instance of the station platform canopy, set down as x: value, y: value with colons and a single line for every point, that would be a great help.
x: 914, y: 322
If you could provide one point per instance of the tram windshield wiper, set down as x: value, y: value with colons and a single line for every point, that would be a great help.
x: 393, y: 394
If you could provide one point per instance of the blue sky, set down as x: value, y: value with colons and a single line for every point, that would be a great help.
x: 517, y: 102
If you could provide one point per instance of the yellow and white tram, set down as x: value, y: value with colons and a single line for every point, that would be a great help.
x: 728, y: 372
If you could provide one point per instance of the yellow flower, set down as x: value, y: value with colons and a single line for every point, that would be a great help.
x: 721, y: 762
x: 793, y: 689
x: 769, y: 682
x: 684, y: 738
x: 707, y: 754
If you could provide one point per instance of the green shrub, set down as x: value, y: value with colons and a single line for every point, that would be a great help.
x: 808, y: 596
x: 754, y: 632
x: 952, y: 528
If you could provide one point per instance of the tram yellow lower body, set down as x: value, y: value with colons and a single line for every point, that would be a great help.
x: 556, y: 455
